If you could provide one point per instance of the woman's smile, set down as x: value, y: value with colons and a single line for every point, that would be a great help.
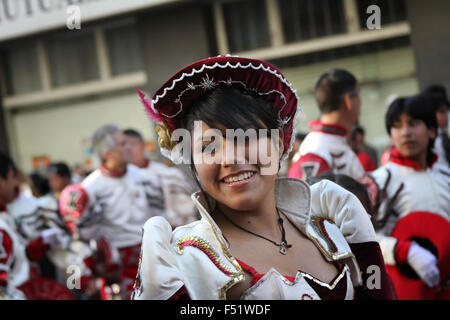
x: 239, y: 179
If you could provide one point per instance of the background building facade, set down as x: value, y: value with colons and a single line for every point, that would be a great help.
x: 58, y: 85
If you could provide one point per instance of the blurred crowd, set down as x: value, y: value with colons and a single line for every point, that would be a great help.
x: 84, y: 250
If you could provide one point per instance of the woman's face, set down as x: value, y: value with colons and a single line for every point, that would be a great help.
x: 411, y: 136
x: 237, y: 175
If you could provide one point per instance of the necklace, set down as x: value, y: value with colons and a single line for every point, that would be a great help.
x: 283, y: 244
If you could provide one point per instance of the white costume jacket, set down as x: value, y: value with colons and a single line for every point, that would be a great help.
x: 14, y: 266
x: 326, y: 148
x: 27, y: 216
x: 403, y: 188
x: 196, y: 256
x: 175, y: 189
x: 118, y: 206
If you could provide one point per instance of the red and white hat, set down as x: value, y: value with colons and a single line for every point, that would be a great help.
x: 171, y: 102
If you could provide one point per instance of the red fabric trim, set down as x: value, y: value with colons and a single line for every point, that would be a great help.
x: 206, y: 250
x: 305, y: 165
x: 3, y: 207
x: 39, y: 288
x: 3, y: 278
x: 369, y: 254
x: 255, y: 275
x: 181, y: 294
x: 104, y: 294
x: 145, y: 165
x: 7, y: 247
x: 327, y: 236
x: 129, y: 257
x: 85, y: 281
x: 89, y: 262
x: 129, y: 272
x: 432, y: 160
x: 111, y: 173
x: 36, y: 249
x: 401, y: 251
x: 366, y: 161
x: 334, y: 129
x: 398, y: 158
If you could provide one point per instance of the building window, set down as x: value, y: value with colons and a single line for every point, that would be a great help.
x: 307, y: 19
x: 246, y: 25
x: 340, y: 53
x: 72, y: 57
x: 20, y: 68
x: 123, y: 49
x: 391, y: 11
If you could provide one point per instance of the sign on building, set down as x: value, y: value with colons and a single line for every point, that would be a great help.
x: 24, y: 17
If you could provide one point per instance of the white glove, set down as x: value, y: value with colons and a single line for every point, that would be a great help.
x: 424, y: 263
x: 53, y: 237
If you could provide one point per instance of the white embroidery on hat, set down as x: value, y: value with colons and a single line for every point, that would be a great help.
x: 209, y: 84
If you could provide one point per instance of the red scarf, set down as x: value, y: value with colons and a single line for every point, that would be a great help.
x: 111, y: 173
x: 318, y: 126
x: 398, y: 158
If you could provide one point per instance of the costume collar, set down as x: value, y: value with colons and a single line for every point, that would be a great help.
x: 398, y: 158
x: 318, y: 126
x: 146, y: 164
x: 292, y: 196
x: 111, y: 173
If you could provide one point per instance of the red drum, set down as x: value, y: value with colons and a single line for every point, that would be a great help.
x: 432, y: 232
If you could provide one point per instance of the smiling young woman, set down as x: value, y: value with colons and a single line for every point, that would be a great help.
x: 259, y: 236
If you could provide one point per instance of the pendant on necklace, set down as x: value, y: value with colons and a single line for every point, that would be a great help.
x: 283, y: 248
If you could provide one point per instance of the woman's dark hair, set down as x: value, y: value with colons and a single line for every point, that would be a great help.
x: 348, y: 183
x: 233, y: 109
x: 419, y: 107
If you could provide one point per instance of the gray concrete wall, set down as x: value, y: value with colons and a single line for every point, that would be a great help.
x: 3, y: 135
x: 172, y: 38
x: 430, y: 36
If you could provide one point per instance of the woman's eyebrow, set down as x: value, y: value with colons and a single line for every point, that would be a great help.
x: 207, y: 137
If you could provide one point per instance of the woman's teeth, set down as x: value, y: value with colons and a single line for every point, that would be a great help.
x: 240, y: 177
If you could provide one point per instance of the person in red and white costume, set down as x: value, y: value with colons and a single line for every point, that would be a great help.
x: 19, y: 279
x: 120, y: 198
x: 413, y: 203
x: 14, y: 266
x: 173, y: 184
x: 326, y: 148
x: 234, y: 251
